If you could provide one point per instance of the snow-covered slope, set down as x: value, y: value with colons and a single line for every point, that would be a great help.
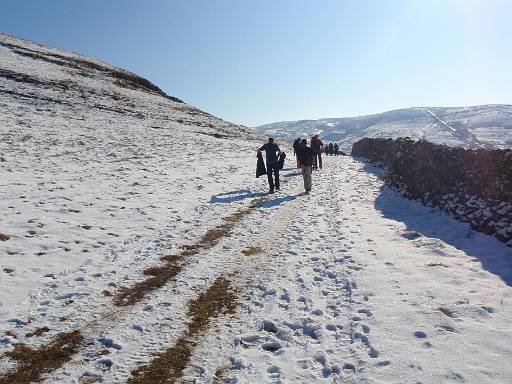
x: 93, y: 158
x: 471, y: 127
x: 137, y: 247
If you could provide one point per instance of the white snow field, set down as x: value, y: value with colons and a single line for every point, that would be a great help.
x: 487, y: 126
x: 126, y: 190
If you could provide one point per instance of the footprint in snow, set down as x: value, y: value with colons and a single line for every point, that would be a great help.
x: 274, y: 372
x: 420, y: 334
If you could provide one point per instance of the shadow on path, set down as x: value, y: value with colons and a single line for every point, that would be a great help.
x: 296, y: 173
x: 494, y: 256
x: 236, y: 195
x: 277, y: 201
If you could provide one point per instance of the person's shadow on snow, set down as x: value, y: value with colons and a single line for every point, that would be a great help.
x: 234, y: 196
x: 291, y: 174
x: 277, y: 201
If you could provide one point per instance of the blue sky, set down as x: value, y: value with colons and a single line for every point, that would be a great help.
x: 259, y: 61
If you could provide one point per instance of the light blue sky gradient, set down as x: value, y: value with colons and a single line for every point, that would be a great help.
x: 259, y: 61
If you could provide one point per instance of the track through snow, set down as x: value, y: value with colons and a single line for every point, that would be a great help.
x: 350, y: 284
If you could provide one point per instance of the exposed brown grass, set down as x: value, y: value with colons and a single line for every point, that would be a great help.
x: 212, y: 236
x: 4, y: 237
x: 38, y: 332
x: 254, y: 202
x: 440, y: 264
x: 447, y: 312
x: 168, y: 366
x: 218, y: 377
x: 8, y: 270
x: 34, y: 363
x: 11, y: 333
x: 161, y: 275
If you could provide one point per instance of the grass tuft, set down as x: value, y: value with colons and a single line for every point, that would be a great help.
x: 160, y: 275
x: 252, y: 250
x: 440, y: 264
x: 447, y: 312
x: 34, y: 363
x: 168, y: 366
x: 4, y: 237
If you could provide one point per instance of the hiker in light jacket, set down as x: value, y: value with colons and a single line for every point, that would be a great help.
x: 306, y: 159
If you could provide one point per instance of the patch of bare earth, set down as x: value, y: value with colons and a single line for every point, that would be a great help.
x: 32, y: 363
x: 440, y: 264
x: 218, y: 377
x: 168, y: 366
x: 4, y: 237
x: 447, y: 312
x: 252, y: 250
x: 38, y: 332
x: 158, y: 276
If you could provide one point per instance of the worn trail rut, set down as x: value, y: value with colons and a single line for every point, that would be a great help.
x: 32, y: 364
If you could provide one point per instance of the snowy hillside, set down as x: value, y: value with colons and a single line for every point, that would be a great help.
x: 136, y: 246
x: 471, y: 127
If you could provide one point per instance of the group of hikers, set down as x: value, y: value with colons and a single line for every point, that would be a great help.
x: 308, y: 158
x: 332, y: 149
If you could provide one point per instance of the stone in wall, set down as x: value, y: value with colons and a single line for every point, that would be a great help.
x: 474, y: 186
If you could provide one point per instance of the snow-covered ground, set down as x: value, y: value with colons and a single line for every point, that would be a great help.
x: 350, y: 284
x: 479, y: 126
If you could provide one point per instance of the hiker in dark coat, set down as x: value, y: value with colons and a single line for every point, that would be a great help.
x: 296, y: 145
x: 331, y: 149
x: 317, y: 145
x: 272, y: 151
x: 336, y: 149
x: 306, y: 159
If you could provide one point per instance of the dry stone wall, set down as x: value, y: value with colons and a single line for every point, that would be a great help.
x: 475, y: 186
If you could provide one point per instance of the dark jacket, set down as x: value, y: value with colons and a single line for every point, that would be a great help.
x: 271, y: 150
x: 282, y: 156
x: 296, y: 145
x: 306, y: 156
x: 316, y: 144
x: 260, y: 166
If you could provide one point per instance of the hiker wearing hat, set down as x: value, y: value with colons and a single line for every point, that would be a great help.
x: 272, y: 151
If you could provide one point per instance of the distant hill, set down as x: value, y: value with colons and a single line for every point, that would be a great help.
x: 488, y: 126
